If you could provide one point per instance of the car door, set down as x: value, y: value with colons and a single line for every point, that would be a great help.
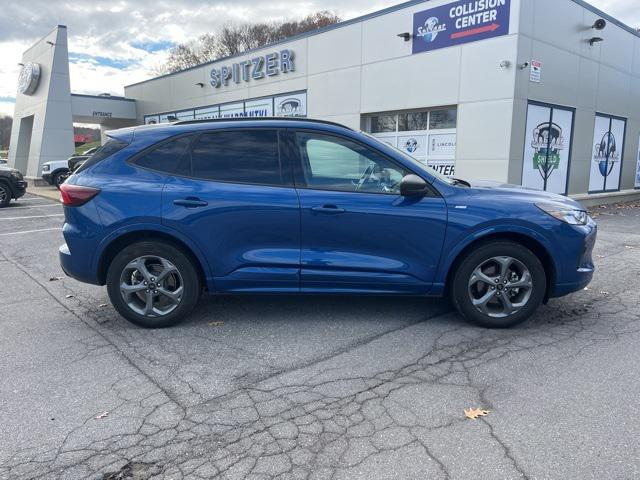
x: 235, y: 198
x: 358, y: 233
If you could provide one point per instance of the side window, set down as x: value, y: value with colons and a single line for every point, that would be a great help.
x: 334, y: 163
x: 239, y: 156
x: 165, y: 158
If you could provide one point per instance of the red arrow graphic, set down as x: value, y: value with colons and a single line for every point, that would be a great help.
x: 474, y: 31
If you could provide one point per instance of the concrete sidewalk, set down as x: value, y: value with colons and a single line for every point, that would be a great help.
x: 47, y: 191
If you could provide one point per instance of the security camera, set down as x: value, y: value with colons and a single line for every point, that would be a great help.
x: 523, y: 65
x: 600, y: 24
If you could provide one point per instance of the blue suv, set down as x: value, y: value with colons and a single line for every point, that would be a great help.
x: 161, y: 213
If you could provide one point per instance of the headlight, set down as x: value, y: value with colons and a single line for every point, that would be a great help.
x: 572, y: 216
x: 16, y: 174
x: 46, y: 168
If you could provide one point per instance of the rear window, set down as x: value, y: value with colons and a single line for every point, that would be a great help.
x: 165, y: 157
x: 112, y: 146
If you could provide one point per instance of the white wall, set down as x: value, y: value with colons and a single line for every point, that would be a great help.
x: 601, y: 78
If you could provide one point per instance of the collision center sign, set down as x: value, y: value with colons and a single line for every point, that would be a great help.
x: 460, y: 22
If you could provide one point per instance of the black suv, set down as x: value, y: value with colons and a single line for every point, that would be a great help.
x: 12, y: 185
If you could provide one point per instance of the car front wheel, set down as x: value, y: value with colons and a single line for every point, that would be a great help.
x: 5, y: 195
x: 153, y: 284
x: 59, y: 179
x: 499, y: 285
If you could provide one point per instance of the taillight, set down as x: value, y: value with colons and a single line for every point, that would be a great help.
x: 76, y: 195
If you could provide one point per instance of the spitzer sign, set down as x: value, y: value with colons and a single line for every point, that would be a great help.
x: 460, y: 22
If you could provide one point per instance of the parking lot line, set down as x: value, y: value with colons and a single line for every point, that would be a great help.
x: 30, y: 231
x: 35, y: 206
x: 33, y: 216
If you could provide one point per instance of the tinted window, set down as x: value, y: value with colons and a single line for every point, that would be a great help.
x: 165, y: 157
x: 112, y: 146
x: 240, y: 156
x: 443, y: 118
x: 333, y: 163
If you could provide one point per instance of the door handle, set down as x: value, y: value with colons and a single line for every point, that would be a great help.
x: 328, y: 209
x: 190, y: 202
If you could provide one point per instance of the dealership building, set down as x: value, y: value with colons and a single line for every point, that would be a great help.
x: 543, y: 93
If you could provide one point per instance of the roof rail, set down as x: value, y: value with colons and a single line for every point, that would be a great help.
x: 253, y: 119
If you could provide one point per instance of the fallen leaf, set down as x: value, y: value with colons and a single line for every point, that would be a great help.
x: 69, y: 296
x: 102, y: 415
x: 604, y: 293
x: 216, y: 324
x: 474, y: 413
x: 55, y: 279
x: 103, y: 305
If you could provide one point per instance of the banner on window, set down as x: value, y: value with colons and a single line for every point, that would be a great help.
x: 547, y: 149
x: 606, y: 161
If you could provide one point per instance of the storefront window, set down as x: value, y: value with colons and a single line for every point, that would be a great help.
x: 383, y: 123
x: 440, y: 119
x: 411, y: 122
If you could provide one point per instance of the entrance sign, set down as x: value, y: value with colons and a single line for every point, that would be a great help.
x: 547, y: 149
x: 606, y: 163
x: 460, y: 22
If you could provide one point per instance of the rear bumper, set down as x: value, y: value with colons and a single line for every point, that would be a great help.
x: 71, y: 269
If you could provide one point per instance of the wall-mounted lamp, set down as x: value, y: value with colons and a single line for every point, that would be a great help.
x: 50, y: 43
x: 200, y: 84
x: 595, y: 40
x: 505, y: 64
x: 599, y: 24
x: 406, y: 36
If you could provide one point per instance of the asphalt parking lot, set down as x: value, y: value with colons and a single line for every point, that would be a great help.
x: 313, y: 387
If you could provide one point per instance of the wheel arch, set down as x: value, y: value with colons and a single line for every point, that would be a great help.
x: 527, y: 240
x: 119, y: 242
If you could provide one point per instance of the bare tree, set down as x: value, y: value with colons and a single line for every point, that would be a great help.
x: 234, y: 39
x: 5, y: 131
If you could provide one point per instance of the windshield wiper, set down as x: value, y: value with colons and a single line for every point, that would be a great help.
x: 458, y: 181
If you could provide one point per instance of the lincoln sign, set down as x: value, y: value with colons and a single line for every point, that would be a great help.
x: 460, y: 22
x: 255, y: 69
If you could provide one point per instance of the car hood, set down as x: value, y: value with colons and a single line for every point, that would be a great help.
x: 517, y: 192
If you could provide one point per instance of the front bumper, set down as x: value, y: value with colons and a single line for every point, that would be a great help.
x: 584, y: 269
x: 20, y: 188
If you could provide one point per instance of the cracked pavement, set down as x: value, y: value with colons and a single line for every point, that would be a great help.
x: 314, y: 387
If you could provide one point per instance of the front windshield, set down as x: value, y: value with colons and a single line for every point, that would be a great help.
x: 412, y: 160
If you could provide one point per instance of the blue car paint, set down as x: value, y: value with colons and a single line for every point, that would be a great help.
x: 252, y: 238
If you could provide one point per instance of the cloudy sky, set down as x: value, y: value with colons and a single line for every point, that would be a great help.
x: 113, y: 43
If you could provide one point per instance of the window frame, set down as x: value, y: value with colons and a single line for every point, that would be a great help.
x: 301, y: 162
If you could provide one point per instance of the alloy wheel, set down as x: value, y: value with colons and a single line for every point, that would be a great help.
x: 151, y: 286
x: 500, y: 287
x: 4, y: 193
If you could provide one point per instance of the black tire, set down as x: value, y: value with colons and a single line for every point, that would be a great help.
x: 189, y: 279
x: 5, y: 194
x: 463, y: 284
x: 59, y: 178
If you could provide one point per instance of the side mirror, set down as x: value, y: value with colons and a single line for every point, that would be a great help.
x: 413, y: 186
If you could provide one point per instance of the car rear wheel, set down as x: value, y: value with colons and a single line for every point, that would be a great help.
x: 153, y: 284
x: 499, y: 285
x: 5, y: 195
